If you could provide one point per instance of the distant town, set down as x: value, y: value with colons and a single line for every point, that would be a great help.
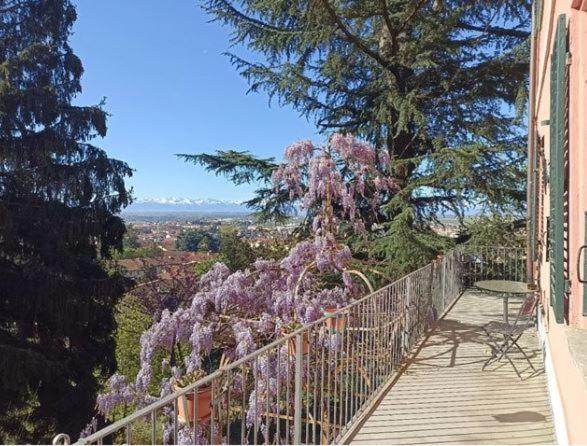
x: 154, y: 239
x: 162, y: 230
x: 158, y: 240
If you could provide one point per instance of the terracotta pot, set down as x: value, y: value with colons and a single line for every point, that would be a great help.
x: 186, y: 406
x: 332, y: 323
x: 292, y: 344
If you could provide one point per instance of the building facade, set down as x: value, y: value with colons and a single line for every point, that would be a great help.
x: 557, y: 198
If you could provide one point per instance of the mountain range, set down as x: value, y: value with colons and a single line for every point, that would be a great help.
x: 204, y: 206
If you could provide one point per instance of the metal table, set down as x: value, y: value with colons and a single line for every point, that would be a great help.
x: 506, y: 288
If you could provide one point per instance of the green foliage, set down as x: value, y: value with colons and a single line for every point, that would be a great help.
x: 202, y: 267
x: 132, y: 248
x: 195, y: 241
x: 132, y: 319
x: 189, y: 241
x: 142, y: 252
x: 190, y: 378
x: 131, y: 238
x: 404, y: 249
x: 59, y: 200
x: 240, y: 167
x: 208, y: 244
x: 495, y: 230
x: 234, y: 252
x: 439, y: 85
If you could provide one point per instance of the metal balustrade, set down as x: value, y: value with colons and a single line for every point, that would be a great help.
x: 487, y: 262
x: 313, y: 385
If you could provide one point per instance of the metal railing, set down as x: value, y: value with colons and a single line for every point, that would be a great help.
x: 489, y: 262
x: 312, y: 385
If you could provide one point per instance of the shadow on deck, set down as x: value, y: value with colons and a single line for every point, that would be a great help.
x: 445, y: 397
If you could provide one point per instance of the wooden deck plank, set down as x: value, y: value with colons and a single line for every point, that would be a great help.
x: 445, y: 397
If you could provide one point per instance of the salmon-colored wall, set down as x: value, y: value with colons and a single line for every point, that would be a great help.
x: 571, y: 387
x: 578, y: 156
x: 577, y: 25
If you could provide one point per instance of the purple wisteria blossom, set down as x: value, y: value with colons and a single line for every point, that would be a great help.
x: 234, y: 313
x: 121, y: 392
x: 340, y: 173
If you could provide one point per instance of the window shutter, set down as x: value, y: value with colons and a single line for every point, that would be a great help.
x: 534, y: 203
x: 558, y: 121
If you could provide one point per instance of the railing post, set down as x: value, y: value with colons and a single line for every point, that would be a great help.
x: 461, y: 265
x: 443, y: 283
x: 298, y: 392
x: 407, y: 310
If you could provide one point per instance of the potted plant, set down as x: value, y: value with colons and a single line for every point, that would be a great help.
x: 292, y: 342
x: 333, y: 323
x: 186, y: 403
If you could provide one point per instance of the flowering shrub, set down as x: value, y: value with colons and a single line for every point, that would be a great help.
x: 333, y: 179
x: 236, y: 312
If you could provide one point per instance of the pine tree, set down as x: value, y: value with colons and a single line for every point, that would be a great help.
x: 59, y: 196
x: 440, y: 85
x: 235, y: 253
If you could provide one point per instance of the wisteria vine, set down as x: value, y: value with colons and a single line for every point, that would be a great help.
x: 236, y: 313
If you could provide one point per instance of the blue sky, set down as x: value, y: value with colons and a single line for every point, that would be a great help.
x: 170, y: 90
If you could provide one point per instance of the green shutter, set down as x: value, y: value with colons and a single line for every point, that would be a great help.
x: 533, y: 201
x: 557, y: 183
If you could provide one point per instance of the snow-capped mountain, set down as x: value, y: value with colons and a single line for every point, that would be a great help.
x: 205, y: 205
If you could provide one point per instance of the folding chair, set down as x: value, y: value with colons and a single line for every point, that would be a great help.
x: 511, y: 333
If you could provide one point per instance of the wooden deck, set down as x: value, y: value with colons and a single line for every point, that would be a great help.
x: 445, y: 397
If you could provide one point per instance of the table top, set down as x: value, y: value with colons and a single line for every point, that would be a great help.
x: 504, y: 286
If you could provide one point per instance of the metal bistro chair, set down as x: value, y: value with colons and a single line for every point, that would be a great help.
x: 511, y: 333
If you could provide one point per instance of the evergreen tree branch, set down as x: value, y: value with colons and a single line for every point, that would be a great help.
x: 498, y: 31
x: 225, y: 7
x: 352, y: 38
x: 239, y: 167
x: 386, y: 17
x: 411, y: 15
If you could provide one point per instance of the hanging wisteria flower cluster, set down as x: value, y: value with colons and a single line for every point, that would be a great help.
x: 332, y: 179
x: 234, y: 313
x: 237, y: 311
